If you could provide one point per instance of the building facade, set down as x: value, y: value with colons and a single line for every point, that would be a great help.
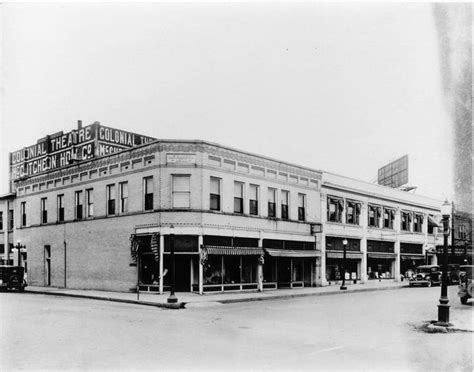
x: 388, y: 232
x: 108, y: 218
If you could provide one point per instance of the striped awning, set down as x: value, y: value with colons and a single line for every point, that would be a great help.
x: 339, y: 254
x: 233, y: 251
x: 274, y: 252
x: 412, y: 256
x: 433, y: 222
x: 381, y: 255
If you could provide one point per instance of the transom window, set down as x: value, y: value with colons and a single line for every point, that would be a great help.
x: 181, y: 191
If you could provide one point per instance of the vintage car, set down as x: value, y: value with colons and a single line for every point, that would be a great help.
x: 12, y: 277
x: 465, y: 283
x: 426, y: 275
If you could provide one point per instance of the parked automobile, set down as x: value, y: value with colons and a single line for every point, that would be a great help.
x: 426, y: 275
x: 453, y: 274
x: 465, y: 283
x: 12, y: 277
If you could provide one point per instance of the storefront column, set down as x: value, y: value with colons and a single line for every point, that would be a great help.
x: 322, y: 260
x: 260, y: 269
x: 363, y: 260
x: 201, y: 271
x: 162, y: 248
x: 396, y: 262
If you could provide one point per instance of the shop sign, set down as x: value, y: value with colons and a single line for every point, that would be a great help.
x: 180, y: 158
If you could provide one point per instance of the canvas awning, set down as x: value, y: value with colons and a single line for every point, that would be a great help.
x: 339, y: 254
x: 382, y: 255
x: 274, y: 252
x: 233, y: 251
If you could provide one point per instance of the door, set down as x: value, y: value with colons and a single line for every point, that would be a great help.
x: 47, y: 265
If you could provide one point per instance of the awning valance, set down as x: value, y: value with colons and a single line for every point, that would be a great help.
x: 274, y: 252
x: 382, y: 255
x: 412, y: 256
x: 233, y: 251
x: 339, y: 254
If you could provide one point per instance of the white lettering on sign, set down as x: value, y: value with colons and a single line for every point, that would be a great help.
x: 180, y: 158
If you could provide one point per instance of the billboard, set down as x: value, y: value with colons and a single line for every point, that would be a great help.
x: 61, y: 149
x: 395, y: 173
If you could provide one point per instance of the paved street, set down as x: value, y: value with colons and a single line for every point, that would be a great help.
x: 364, y: 331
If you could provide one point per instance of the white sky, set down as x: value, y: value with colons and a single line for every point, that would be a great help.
x: 339, y: 87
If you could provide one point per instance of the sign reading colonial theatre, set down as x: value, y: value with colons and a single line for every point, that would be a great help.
x: 60, y: 149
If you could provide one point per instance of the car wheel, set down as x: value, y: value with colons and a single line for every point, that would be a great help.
x: 464, y: 300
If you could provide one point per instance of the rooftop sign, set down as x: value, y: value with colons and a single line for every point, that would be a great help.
x: 395, y: 173
x: 60, y: 149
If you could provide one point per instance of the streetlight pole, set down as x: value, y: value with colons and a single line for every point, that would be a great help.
x: 343, y: 285
x: 443, y: 307
x: 18, y: 247
x: 172, y: 299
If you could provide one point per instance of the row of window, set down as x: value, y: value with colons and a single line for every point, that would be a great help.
x: 254, y: 199
x: 378, y: 216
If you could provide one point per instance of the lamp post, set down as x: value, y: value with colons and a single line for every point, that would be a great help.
x: 343, y: 285
x: 18, y: 247
x: 172, y: 299
x: 443, y: 307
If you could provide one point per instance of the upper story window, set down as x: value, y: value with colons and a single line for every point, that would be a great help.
x: 431, y: 224
x: 418, y: 222
x: 405, y: 221
x: 60, y: 208
x: 11, y: 219
x: 90, y: 202
x: 123, y: 189
x: 388, y: 218
x: 374, y: 215
x: 44, y: 210
x: 462, y: 232
x: 335, y: 209
x: 79, y: 205
x: 23, y: 213
x: 353, y: 212
x: 253, y: 200
x: 285, y: 201
x: 238, y: 197
x: 110, y: 200
x: 301, y: 207
x: 148, y: 193
x: 271, y: 202
x: 181, y: 189
x: 1, y: 220
x: 215, y: 194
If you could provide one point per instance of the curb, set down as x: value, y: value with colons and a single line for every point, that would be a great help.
x: 179, y: 305
x: 182, y: 305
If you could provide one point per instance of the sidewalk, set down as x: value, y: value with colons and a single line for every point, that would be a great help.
x: 188, y: 300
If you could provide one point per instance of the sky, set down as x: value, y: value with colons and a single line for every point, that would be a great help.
x: 344, y: 88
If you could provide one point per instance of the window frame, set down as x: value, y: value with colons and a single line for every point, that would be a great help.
x: 338, y: 203
x: 123, y: 200
x: 389, y: 222
x: 253, y: 203
x: 78, y: 205
x: 285, y: 208
x: 180, y: 192
x: 148, y: 197
x: 215, y: 197
x: 418, y: 223
x: 89, y: 204
x: 44, y: 210
x: 110, y: 206
x: 239, y: 200
x: 302, y: 208
x: 272, y: 204
x: 377, y: 215
x: 23, y: 213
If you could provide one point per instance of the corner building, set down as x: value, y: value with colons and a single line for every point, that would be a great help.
x: 237, y: 221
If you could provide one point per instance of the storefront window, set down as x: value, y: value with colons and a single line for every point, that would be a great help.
x: 249, y: 269
x: 297, y: 269
x: 379, y: 268
x: 213, y: 270
x: 231, y: 269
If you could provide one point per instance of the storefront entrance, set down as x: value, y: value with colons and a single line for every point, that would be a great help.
x: 182, y: 272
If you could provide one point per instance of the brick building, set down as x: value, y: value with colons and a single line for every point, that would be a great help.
x: 99, y: 208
